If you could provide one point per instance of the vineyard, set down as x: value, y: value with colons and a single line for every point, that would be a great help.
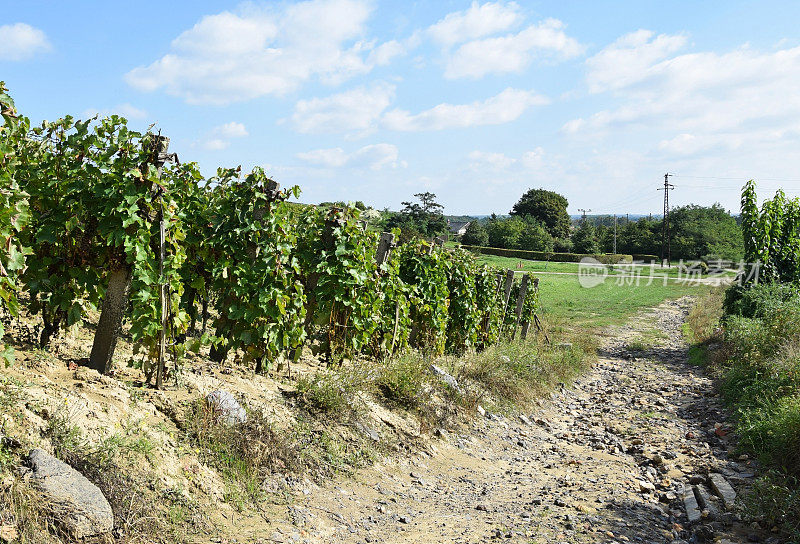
x: 98, y: 217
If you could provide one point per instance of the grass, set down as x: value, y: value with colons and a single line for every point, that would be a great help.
x: 757, y: 355
x: 246, y: 453
x: 334, y: 393
x: 525, y: 265
x: 243, y: 452
x: 117, y: 465
x: 566, y: 302
x: 511, y: 375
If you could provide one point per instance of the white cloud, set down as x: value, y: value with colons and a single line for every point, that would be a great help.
x: 126, y: 110
x: 629, y: 59
x: 530, y: 160
x: 385, y: 52
x: 20, y: 41
x: 695, y: 100
x: 512, y: 53
x: 220, y: 136
x: 499, y: 161
x: 254, y: 52
x: 374, y: 157
x: 502, y: 108
x: 476, y: 22
x: 354, y: 110
x: 533, y: 160
x: 231, y: 130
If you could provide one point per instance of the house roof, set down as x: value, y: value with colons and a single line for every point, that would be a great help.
x: 456, y: 226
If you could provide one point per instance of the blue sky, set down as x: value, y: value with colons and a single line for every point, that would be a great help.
x: 476, y: 102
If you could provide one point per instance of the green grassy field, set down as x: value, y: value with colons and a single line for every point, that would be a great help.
x: 544, y: 266
x: 566, y: 303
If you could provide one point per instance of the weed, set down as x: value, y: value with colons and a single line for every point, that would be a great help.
x: 702, y: 323
x: 334, y: 393
x: 403, y: 380
x: 516, y: 373
x: 244, y: 452
x: 110, y: 466
x: 758, y: 354
x: 775, y: 500
x: 638, y: 345
x: 23, y: 508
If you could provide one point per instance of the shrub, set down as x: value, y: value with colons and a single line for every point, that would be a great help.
x: 334, y: 393
x: 402, y: 380
x: 760, y: 300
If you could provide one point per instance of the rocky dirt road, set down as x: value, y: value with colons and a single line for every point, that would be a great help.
x: 622, y: 455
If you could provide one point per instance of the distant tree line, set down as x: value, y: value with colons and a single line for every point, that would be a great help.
x: 540, y: 222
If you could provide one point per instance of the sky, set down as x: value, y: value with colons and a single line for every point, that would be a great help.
x: 476, y: 102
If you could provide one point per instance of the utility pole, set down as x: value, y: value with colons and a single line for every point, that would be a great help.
x: 615, y: 234
x: 665, y: 234
x: 584, y: 214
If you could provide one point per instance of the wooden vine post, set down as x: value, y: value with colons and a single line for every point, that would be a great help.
x: 509, y: 281
x: 162, y: 296
x: 527, y: 323
x: 523, y: 292
x: 115, y: 301
x: 385, y: 246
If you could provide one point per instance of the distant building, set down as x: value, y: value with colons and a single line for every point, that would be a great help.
x: 458, y: 228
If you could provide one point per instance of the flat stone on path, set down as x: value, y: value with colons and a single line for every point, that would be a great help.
x: 690, y: 503
x: 80, y: 507
x: 722, y: 488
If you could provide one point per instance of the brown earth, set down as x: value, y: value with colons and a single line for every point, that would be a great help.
x: 606, y: 459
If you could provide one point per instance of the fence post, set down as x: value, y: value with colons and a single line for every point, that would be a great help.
x: 385, y: 245
x: 509, y: 282
x: 523, y: 291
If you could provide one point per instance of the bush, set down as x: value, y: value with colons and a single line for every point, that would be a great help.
x: 762, y: 378
x: 760, y: 300
x: 775, y: 500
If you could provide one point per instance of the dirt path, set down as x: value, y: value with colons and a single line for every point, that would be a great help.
x: 605, y: 460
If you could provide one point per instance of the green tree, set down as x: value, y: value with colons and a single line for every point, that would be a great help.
x: 505, y: 233
x: 642, y: 236
x: 535, y: 237
x: 548, y: 207
x: 585, y: 240
x: 707, y: 232
x: 424, y: 218
x: 475, y: 235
